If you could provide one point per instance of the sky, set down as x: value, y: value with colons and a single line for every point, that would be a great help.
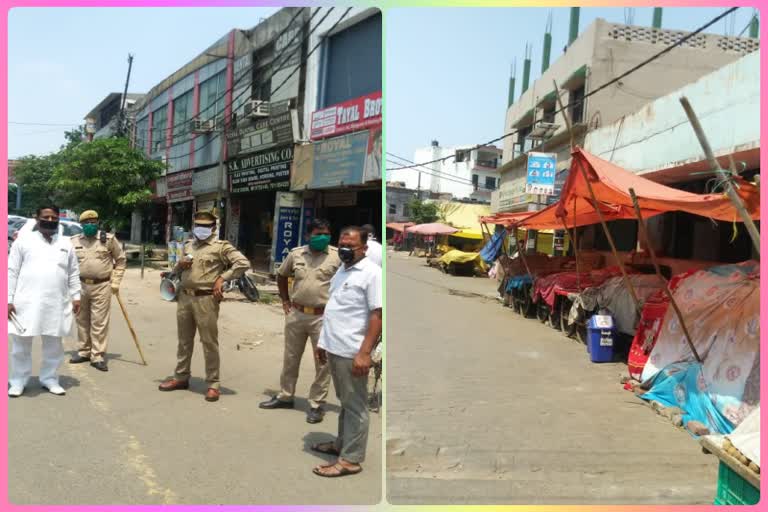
x: 63, y: 61
x: 447, y: 70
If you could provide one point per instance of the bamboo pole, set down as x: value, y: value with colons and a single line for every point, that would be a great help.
x: 627, y: 281
x: 729, y: 188
x: 647, y: 239
x: 575, y: 247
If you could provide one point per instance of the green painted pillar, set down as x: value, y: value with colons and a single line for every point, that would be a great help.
x: 526, y: 75
x: 657, y: 17
x: 573, y: 32
x: 754, y: 27
x: 546, y: 51
x: 511, y: 99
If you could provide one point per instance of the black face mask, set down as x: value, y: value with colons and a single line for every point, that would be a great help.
x: 346, y: 254
x: 48, y: 225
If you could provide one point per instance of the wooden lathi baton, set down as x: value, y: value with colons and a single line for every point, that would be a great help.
x: 130, y: 328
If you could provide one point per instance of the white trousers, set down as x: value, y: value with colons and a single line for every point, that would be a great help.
x: 21, y: 360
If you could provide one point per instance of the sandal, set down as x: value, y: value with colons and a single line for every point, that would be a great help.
x: 328, y: 448
x: 340, y: 470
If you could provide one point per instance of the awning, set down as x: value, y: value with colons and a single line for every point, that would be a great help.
x: 611, y: 185
x: 434, y: 228
x: 471, y: 234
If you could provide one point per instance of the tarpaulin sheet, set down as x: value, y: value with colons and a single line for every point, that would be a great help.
x: 470, y: 234
x: 516, y: 282
x: 615, y: 297
x: 611, y: 184
x: 649, y: 326
x: 546, y: 288
x: 683, y: 385
x: 491, y: 251
x: 456, y: 256
x: 721, y: 309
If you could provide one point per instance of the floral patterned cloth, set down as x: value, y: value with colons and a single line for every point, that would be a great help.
x: 721, y: 308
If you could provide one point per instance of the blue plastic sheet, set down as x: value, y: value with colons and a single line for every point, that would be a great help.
x: 491, y: 250
x: 683, y: 385
x: 515, y: 282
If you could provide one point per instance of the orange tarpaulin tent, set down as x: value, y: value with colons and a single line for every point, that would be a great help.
x: 506, y: 219
x: 611, y: 185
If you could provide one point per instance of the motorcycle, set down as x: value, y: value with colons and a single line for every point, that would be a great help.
x: 246, y: 287
x: 169, y: 286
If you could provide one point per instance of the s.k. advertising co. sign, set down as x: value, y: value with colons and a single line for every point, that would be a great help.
x: 351, y: 116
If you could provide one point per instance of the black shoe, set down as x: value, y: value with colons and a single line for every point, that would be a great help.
x: 274, y: 403
x: 100, y: 365
x: 315, y: 415
x: 77, y: 358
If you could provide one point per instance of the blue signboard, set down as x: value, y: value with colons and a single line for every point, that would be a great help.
x: 340, y: 160
x: 287, y: 226
x: 541, y: 173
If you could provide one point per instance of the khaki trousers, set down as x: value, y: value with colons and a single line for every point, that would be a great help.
x: 198, y: 314
x: 298, y: 327
x: 353, y: 418
x: 93, y: 320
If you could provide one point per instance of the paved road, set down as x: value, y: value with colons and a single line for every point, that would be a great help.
x: 115, y: 439
x: 487, y: 407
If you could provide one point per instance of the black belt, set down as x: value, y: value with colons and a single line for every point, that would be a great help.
x: 198, y: 293
x: 94, y: 281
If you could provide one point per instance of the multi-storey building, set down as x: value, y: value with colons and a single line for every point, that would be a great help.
x: 604, y: 51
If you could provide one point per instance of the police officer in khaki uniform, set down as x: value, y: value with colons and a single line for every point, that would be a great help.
x: 208, y: 263
x: 311, y: 267
x: 102, y: 266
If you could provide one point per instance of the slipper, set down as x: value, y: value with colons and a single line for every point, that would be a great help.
x: 328, y: 448
x: 340, y: 471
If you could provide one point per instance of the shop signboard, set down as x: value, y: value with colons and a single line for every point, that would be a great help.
x: 287, y: 226
x: 350, y: 116
x: 260, y: 134
x: 179, y: 186
x: 541, y: 173
x: 264, y: 171
x: 340, y: 161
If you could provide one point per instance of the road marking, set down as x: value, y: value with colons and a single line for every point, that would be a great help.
x: 130, y: 446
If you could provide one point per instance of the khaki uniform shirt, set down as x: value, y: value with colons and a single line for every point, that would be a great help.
x: 100, y: 260
x: 212, y: 258
x: 311, y: 273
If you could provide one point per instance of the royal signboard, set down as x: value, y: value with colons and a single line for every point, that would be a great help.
x: 350, y: 116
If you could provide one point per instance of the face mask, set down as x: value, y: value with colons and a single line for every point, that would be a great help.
x: 48, y: 225
x: 319, y: 242
x: 90, y: 229
x: 346, y: 254
x: 202, y: 233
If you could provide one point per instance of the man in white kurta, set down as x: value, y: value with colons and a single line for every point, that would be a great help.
x: 374, y: 248
x: 43, y: 291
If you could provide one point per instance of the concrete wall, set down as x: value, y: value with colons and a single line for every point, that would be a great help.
x: 399, y: 198
x: 659, y: 136
x: 314, y: 63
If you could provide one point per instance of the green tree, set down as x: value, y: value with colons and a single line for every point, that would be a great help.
x: 105, y: 175
x: 423, y: 212
x: 33, y: 174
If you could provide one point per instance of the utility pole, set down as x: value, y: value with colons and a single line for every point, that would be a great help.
x: 121, y: 118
